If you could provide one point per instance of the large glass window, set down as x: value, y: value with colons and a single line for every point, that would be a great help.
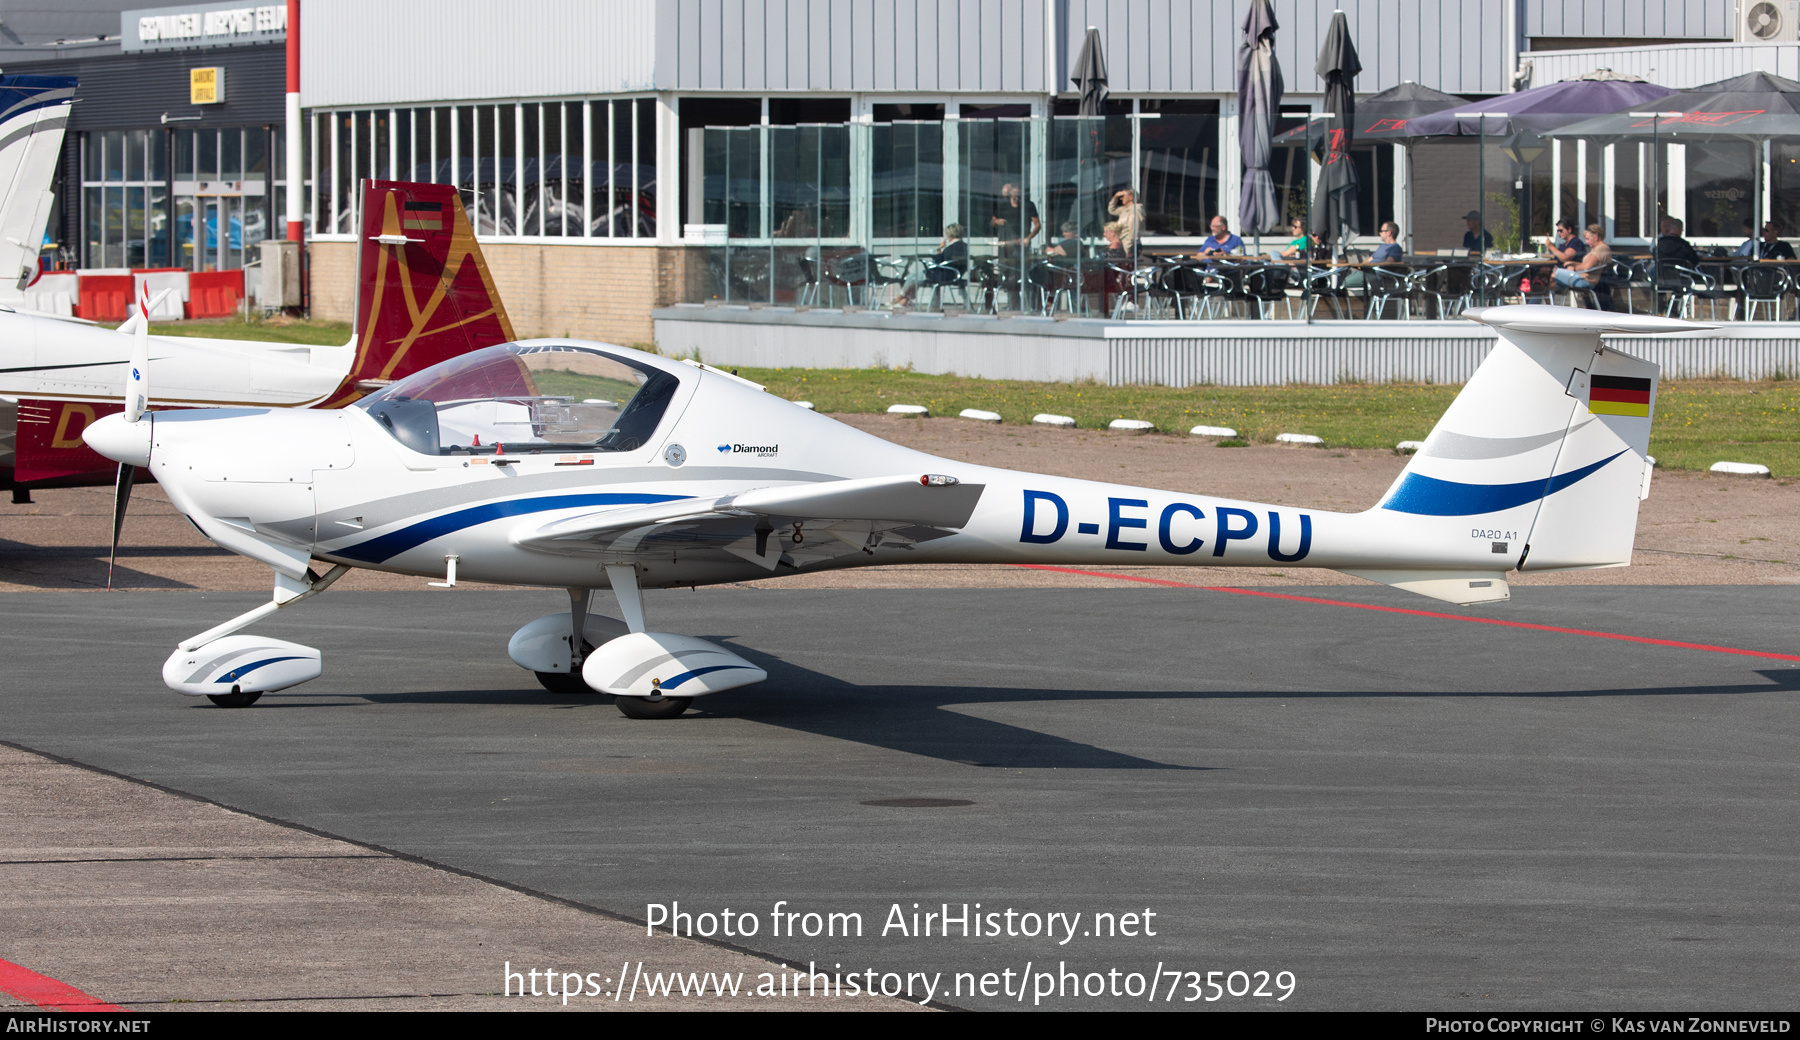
x: 1178, y: 166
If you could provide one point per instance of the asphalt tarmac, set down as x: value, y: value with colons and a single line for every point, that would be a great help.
x: 1402, y: 811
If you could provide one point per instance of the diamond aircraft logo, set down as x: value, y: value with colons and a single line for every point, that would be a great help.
x: 759, y: 450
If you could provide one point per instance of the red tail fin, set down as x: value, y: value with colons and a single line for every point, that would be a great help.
x: 424, y: 293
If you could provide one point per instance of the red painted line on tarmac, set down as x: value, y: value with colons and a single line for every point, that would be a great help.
x: 47, y: 992
x: 1420, y: 613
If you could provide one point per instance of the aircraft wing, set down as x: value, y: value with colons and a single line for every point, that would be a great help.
x: 796, y: 524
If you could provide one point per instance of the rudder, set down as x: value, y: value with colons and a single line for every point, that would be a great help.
x: 424, y: 291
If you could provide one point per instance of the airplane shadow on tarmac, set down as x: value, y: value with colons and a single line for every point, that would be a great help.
x: 922, y: 720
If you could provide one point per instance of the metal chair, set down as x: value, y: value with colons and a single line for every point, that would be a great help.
x: 1763, y: 286
x: 1691, y: 285
x: 1452, y: 286
x: 1268, y: 285
x: 1191, y: 287
x: 849, y: 273
x: 809, y: 282
x: 1388, y: 284
x: 946, y: 276
x: 1321, y: 282
x: 1055, y: 285
x: 1632, y: 276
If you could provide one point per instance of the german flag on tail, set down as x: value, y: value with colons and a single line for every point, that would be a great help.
x: 1619, y: 395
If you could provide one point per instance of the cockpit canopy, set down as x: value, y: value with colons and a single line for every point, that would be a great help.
x: 526, y: 397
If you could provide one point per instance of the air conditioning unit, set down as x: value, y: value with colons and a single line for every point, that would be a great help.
x: 1768, y: 21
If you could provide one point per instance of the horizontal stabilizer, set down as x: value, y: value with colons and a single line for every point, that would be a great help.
x: 1577, y: 320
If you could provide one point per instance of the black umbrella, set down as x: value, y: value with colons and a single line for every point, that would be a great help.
x: 1334, y: 208
x: 1090, y: 75
x: 1259, y: 105
x: 1383, y: 117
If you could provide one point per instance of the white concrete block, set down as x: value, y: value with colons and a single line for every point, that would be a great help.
x: 1741, y: 469
x: 978, y: 415
x: 1047, y: 419
x: 1410, y: 446
x: 1212, y: 431
x: 808, y: 405
x: 1299, y: 438
x: 1131, y: 425
x: 908, y: 409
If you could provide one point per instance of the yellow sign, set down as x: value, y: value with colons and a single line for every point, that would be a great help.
x: 206, y: 86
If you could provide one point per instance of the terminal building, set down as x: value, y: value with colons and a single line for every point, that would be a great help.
x: 620, y: 156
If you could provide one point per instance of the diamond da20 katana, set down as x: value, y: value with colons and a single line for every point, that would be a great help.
x: 587, y: 466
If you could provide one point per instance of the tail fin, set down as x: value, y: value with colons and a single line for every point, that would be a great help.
x: 1543, y: 454
x: 33, y: 112
x: 424, y: 293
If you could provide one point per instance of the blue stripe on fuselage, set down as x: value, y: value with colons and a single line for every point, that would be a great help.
x: 379, y: 549
x: 1429, y: 496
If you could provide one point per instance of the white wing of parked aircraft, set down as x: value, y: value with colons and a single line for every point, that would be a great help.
x: 586, y: 466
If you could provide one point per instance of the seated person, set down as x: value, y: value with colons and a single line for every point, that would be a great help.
x: 1114, y: 233
x: 1476, y: 240
x: 1388, y: 252
x: 945, y: 267
x: 1297, y: 248
x: 1748, y: 249
x: 1222, y: 242
x: 1772, y: 248
x: 1671, y: 246
x: 1068, y: 245
x: 1586, y: 272
x: 1566, y: 246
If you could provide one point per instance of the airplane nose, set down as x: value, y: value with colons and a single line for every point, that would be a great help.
x: 120, y: 441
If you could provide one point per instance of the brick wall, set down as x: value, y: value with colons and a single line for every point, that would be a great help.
x: 330, y: 280
x: 589, y: 292
x: 1444, y: 175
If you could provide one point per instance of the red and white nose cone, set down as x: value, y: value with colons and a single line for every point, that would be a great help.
x: 120, y: 441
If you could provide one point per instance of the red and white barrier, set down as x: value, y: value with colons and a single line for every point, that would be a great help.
x: 105, y: 293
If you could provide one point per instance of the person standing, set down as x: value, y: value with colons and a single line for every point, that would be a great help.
x: 1128, y: 213
x: 1014, y: 224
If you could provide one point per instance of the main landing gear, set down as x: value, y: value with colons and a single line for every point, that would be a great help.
x: 641, y: 670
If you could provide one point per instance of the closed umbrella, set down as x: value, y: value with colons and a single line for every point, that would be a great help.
x: 1334, y: 208
x: 1090, y: 75
x: 1259, y: 105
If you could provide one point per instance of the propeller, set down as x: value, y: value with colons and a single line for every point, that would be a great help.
x: 137, y: 402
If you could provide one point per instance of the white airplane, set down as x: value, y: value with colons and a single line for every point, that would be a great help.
x: 587, y: 466
x: 424, y: 294
x: 34, y: 112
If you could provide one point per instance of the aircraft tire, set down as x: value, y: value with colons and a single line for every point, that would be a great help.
x: 234, y: 699
x: 563, y: 682
x: 640, y: 708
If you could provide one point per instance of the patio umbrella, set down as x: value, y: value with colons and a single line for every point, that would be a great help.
x: 1535, y: 111
x: 1090, y: 75
x: 1334, y: 207
x: 1753, y: 107
x: 1259, y: 105
x: 1540, y: 109
x: 1756, y: 106
x: 1384, y: 117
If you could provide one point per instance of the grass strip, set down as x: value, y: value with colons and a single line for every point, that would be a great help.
x: 1698, y: 422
